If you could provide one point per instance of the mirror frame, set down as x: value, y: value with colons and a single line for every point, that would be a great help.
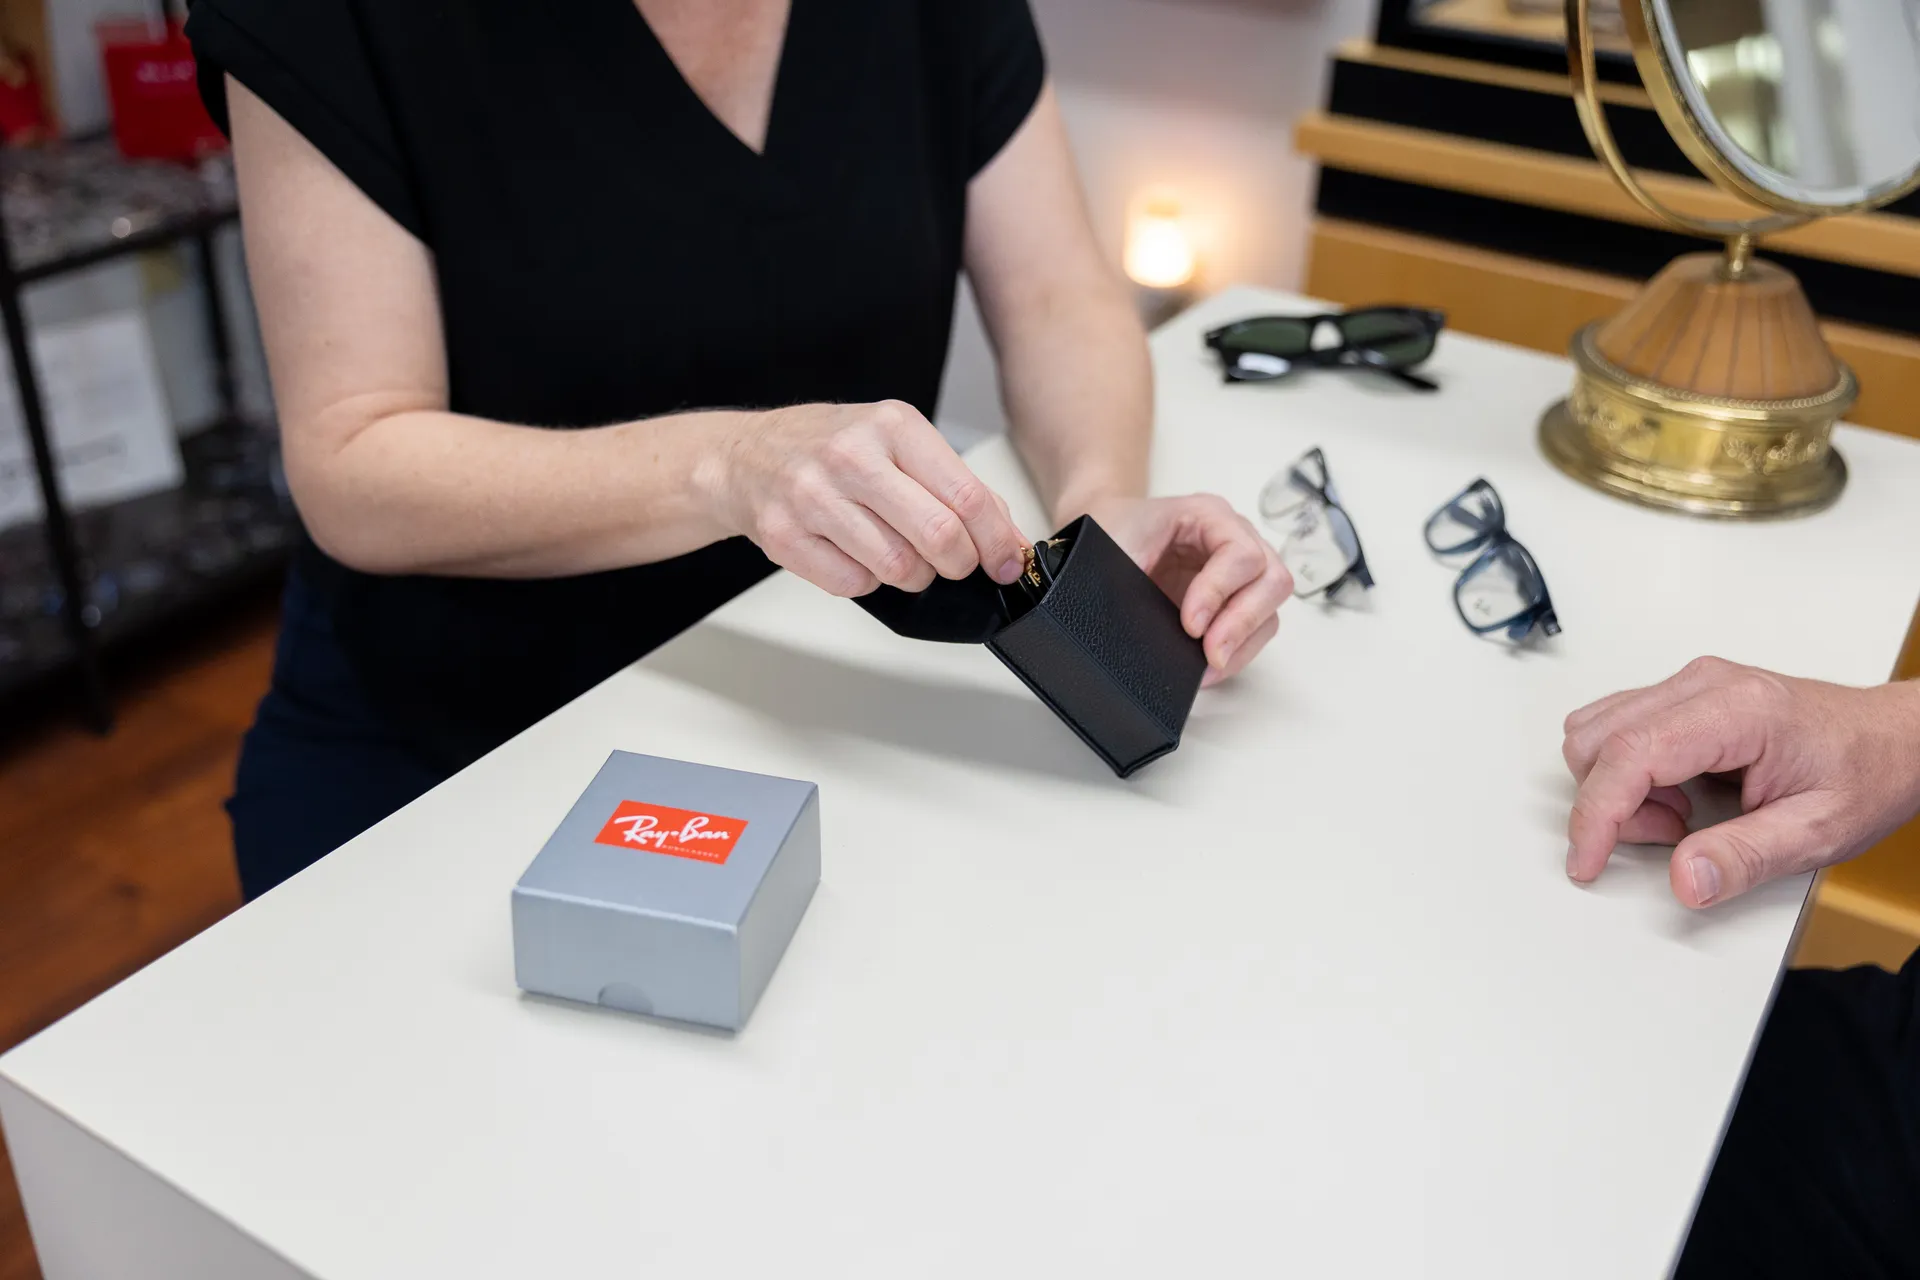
x: 1707, y: 143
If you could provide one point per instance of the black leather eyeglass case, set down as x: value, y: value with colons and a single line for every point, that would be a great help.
x: 1090, y: 633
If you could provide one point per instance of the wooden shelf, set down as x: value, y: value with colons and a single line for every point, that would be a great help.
x: 1541, y: 305
x: 1885, y: 242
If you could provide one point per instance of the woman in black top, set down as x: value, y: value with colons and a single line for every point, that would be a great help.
x: 584, y: 315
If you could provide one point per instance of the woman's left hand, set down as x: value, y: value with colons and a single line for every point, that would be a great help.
x: 1227, y: 580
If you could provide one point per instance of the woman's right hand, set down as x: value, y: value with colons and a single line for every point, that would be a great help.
x: 850, y: 496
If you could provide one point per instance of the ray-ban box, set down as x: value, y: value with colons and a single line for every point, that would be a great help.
x: 670, y: 889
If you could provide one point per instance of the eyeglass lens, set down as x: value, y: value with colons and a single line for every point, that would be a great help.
x: 1320, y: 547
x: 1468, y: 521
x: 1305, y: 481
x: 1500, y: 587
x: 1319, y: 544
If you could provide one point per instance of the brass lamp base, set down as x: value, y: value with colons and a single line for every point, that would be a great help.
x: 1708, y: 449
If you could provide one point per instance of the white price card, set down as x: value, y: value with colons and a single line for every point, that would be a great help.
x: 106, y: 414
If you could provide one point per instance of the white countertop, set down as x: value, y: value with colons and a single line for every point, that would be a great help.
x: 1312, y: 996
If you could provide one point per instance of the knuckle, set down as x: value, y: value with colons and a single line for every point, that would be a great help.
x: 1765, y: 689
x: 1706, y: 665
x: 809, y: 487
x: 892, y: 415
x: 942, y: 532
x: 1623, y: 746
x: 1748, y: 857
x: 776, y: 533
x: 848, y: 450
x: 1283, y: 581
x: 850, y: 581
x: 969, y: 499
x: 897, y: 564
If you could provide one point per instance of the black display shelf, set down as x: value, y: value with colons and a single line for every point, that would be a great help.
x: 78, y: 203
x: 106, y: 577
x: 149, y: 562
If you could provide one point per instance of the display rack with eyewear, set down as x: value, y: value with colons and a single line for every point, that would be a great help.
x: 78, y: 585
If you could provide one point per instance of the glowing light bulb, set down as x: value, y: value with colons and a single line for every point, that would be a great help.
x: 1159, y: 252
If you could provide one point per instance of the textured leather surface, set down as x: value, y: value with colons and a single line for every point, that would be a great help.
x: 1104, y: 649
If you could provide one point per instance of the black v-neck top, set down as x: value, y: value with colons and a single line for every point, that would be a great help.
x: 606, y: 249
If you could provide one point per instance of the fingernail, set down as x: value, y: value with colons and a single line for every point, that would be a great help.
x: 1706, y: 879
x: 1008, y: 571
x: 1573, y: 856
x: 1201, y: 619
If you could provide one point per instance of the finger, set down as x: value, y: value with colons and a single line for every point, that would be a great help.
x: 1674, y: 798
x: 1234, y: 557
x: 1664, y: 750
x: 931, y: 462
x: 873, y: 543
x: 1727, y: 859
x: 927, y: 524
x: 1230, y: 641
x: 1653, y: 823
x: 1593, y: 724
x: 825, y: 566
x: 1243, y: 655
x: 1632, y: 707
x: 1599, y: 706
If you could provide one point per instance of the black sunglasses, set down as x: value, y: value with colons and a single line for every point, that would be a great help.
x: 1502, y: 589
x: 1389, y: 340
x: 1321, y: 548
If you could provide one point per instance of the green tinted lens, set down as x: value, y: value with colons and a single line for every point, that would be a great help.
x: 1402, y: 338
x: 1403, y: 352
x: 1370, y: 327
x: 1273, y: 335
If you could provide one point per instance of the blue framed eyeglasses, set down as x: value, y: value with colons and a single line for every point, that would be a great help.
x: 1320, y: 546
x: 1502, y: 588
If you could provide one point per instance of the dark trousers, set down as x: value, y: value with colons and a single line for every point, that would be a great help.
x: 318, y: 766
x: 1819, y: 1175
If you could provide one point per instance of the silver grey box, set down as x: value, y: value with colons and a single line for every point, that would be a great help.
x: 671, y: 889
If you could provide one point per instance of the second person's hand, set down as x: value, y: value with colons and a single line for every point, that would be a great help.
x: 849, y: 496
x: 1827, y: 771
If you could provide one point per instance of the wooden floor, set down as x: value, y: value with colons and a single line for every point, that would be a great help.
x: 113, y: 850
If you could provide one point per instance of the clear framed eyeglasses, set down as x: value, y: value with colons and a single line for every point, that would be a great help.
x: 1319, y: 544
x: 1502, y: 588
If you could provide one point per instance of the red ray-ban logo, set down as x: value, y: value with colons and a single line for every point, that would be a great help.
x: 684, y: 833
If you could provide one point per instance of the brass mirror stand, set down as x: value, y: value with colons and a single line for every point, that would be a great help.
x: 1712, y: 392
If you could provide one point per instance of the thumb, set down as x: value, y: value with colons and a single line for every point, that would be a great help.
x: 1727, y: 859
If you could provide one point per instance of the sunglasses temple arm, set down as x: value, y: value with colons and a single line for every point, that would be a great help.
x: 1411, y: 378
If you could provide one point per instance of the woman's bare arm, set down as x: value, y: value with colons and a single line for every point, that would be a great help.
x: 389, y: 481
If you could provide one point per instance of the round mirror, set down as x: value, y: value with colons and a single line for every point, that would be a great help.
x: 1808, y: 106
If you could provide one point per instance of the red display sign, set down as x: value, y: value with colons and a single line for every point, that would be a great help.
x: 151, y: 84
